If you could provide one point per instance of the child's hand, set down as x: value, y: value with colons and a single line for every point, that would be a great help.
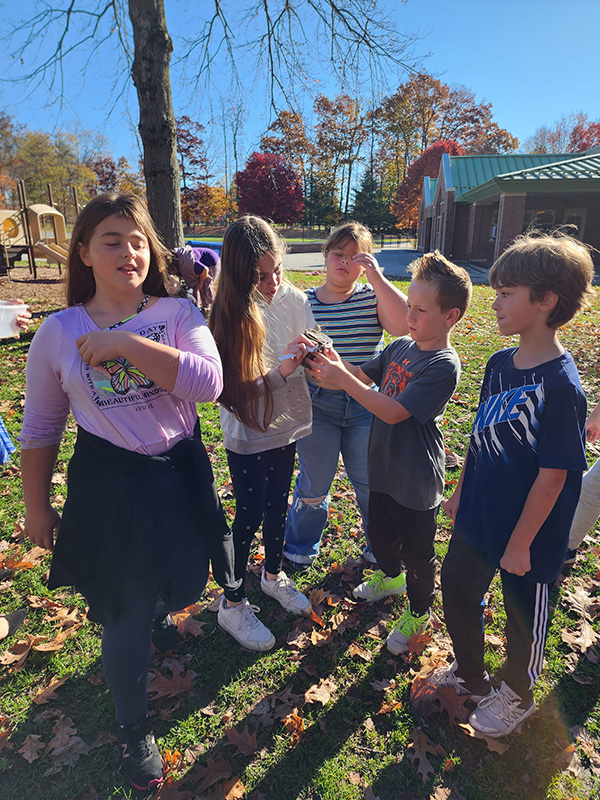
x: 40, y: 527
x: 516, y: 559
x: 450, y: 506
x: 592, y: 425
x: 22, y: 320
x: 294, y: 355
x: 99, y: 346
x: 369, y: 264
x: 327, y: 369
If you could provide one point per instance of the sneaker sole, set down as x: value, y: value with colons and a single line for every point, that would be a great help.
x: 395, y: 593
x: 495, y: 734
x: 256, y: 647
x: 153, y: 783
x: 304, y: 611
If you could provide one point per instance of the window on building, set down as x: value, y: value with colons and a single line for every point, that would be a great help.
x: 577, y: 217
x: 541, y: 219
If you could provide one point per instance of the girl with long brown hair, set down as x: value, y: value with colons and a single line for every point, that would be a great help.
x: 265, y: 409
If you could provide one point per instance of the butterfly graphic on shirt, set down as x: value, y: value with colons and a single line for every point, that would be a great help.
x: 125, y: 377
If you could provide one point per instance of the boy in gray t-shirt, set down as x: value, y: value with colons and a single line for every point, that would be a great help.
x: 416, y: 376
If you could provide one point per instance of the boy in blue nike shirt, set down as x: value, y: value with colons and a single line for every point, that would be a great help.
x: 520, y: 483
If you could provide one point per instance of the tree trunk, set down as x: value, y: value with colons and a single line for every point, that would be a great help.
x: 152, y: 79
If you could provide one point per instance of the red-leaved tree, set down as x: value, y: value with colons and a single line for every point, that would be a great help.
x: 584, y: 136
x: 405, y: 205
x: 270, y: 188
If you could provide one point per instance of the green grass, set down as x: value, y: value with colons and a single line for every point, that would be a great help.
x: 347, y: 745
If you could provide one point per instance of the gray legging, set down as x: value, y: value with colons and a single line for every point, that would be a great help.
x: 588, y: 508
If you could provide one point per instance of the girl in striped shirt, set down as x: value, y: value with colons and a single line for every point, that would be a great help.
x: 354, y: 315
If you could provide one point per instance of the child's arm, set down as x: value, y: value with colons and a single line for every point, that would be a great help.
x: 41, y: 519
x: 540, y: 502
x: 333, y: 373
x: 450, y: 506
x: 391, y: 303
x: 593, y: 424
x: 157, y: 361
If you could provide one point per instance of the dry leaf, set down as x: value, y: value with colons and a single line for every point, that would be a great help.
x: 419, y: 748
x: 321, y: 692
x: 15, y: 657
x: 47, y: 694
x: 65, y: 747
x: 294, y: 724
x: 360, y: 651
x: 452, y: 703
x: 493, y: 744
x: 384, y: 686
x: 59, y: 640
x: 32, y: 747
x: 161, y: 686
x: 215, y: 770
x: 244, y: 742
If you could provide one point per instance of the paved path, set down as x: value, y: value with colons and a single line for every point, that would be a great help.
x: 393, y: 260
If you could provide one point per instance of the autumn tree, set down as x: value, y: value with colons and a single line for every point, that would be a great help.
x: 191, y: 153
x: 356, y: 41
x: 572, y: 133
x: 269, y: 187
x: 406, y: 203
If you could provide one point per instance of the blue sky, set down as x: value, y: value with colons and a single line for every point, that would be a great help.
x: 534, y: 61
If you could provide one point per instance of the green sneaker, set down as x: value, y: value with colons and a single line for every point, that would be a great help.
x: 408, y: 625
x: 378, y: 585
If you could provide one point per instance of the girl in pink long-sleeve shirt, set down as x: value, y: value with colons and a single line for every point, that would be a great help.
x: 142, y: 516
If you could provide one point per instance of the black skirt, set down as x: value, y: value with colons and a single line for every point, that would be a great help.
x: 138, y: 525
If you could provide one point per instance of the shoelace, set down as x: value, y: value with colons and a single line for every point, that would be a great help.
x: 250, y: 611
x: 287, y: 586
x: 509, y: 709
x: 375, y: 579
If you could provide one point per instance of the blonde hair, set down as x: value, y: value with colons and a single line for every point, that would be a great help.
x: 453, y: 284
x: 236, y: 322
x: 548, y: 262
x: 355, y: 231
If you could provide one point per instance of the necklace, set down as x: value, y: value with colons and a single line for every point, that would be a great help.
x: 141, y: 307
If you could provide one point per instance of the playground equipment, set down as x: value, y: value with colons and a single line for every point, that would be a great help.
x: 22, y: 233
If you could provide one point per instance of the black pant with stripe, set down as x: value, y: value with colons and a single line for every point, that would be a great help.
x: 466, y: 577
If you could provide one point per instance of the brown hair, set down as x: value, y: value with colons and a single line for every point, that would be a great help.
x: 452, y: 283
x: 81, y: 284
x: 355, y: 231
x: 236, y: 322
x: 548, y: 263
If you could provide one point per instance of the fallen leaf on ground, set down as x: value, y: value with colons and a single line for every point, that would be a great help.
x: 493, y: 744
x: 360, y: 651
x: 65, y: 748
x: 384, y: 686
x: 59, y: 640
x: 32, y: 747
x: 419, y: 748
x: 47, y: 694
x: 294, y: 724
x: 244, y: 742
x: 162, y: 686
x: 321, y: 692
x: 16, y: 655
x: 452, y: 703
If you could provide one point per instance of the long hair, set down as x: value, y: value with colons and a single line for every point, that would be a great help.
x: 81, y: 284
x: 236, y: 322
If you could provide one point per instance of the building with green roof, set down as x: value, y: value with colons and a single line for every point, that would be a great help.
x: 477, y: 205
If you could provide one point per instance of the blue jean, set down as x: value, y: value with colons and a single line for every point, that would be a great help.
x: 340, y: 424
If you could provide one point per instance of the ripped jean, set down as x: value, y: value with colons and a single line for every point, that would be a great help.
x: 340, y: 424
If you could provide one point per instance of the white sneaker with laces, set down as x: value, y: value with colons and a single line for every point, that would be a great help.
x: 449, y: 679
x: 500, y: 712
x: 242, y: 623
x: 287, y: 594
x: 378, y: 586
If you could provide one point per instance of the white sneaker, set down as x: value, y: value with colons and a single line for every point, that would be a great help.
x: 448, y: 678
x: 286, y: 593
x: 242, y: 623
x: 378, y: 586
x: 500, y: 712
